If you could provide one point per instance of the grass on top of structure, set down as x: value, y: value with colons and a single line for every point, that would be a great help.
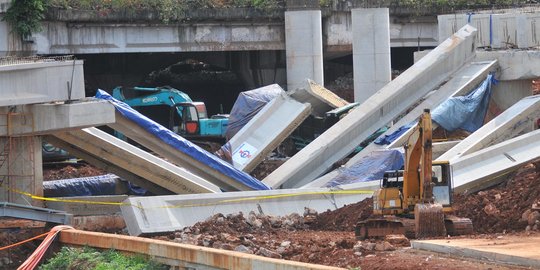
x: 89, y: 258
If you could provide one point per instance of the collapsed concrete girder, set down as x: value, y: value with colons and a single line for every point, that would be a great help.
x: 103, y: 149
x: 380, y: 109
x: 513, y: 121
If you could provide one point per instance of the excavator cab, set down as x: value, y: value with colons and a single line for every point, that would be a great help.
x: 185, y: 118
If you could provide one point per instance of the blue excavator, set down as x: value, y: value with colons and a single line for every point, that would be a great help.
x: 176, y: 111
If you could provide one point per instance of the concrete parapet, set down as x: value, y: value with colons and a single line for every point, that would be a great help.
x: 381, y: 108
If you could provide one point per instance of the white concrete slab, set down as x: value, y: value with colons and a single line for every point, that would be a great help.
x: 385, y: 105
x: 515, y: 120
x: 371, y: 51
x: 158, y: 214
x: 24, y: 82
x: 264, y: 132
x: 133, y: 159
x: 52, y: 117
x: 482, y: 169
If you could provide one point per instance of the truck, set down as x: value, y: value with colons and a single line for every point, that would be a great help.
x: 176, y: 111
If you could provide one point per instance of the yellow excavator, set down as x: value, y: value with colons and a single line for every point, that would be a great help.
x: 416, y: 201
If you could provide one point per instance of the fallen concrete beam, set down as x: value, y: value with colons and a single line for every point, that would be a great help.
x: 192, y: 165
x: 36, y: 119
x: 158, y: 214
x: 321, y: 99
x: 463, y: 82
x: 514, y: 250
x: 182, y: 256
x: 130, y: 158
x: 277, y: 120
x: 514, y: 121
x: 481, y: 169
x: 110, y: 205
x: 30, y: 80
x: 108, y: 166
x: 381, y: 108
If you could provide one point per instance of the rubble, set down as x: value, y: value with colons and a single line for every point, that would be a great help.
x: 505, y: 208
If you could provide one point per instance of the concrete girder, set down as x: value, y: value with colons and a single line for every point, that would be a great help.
x: 36, y: 119
x: 483, y: 168
x: 262, y: 134
x: 132, y: 159
x: 169, y: 213
x: 378, y: 110
x: 39, y: 82
x: 514, y: 121
x: 192, y: 165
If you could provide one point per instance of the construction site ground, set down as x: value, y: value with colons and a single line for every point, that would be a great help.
x: 502, y: 212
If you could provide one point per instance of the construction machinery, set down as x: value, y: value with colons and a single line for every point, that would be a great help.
x: 175, y: 110
x: 416, y: 201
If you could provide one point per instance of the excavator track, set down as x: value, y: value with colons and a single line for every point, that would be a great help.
x: 457, y: 226
x: 380, y: 227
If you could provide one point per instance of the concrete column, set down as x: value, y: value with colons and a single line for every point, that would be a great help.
x: 303, y: 44
x: 21, y: 169
x: 371, y: 51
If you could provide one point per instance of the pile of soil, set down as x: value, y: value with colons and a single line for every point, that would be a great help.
x: 344, y: 218
x: 500, y: 209
x: 69, y: 171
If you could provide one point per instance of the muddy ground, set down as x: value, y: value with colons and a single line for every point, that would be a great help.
x: 327, y: 238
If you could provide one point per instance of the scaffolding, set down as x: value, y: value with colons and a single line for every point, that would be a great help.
x: 17, y: 160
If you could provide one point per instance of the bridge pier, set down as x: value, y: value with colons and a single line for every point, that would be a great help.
x: 304, y: 47
x: 371, y: 51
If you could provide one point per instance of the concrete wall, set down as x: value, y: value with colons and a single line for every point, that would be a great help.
x: 508, y: 30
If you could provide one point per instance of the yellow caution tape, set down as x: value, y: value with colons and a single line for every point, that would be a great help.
x: 255, y: 198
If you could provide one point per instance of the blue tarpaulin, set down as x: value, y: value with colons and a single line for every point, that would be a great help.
x: 247, y: 105
x: 182, y: 144
x: 369, y: 168
x: 86, y: 186
x: 465, y: 112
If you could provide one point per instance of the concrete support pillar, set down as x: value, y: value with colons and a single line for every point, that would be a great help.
x: 371, y: 51
x: 303, y: 44
x: 21, y: 169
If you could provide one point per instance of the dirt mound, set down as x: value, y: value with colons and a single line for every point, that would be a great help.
x: 500, y: 209
x: 344, y: 218
x: 69, y: 171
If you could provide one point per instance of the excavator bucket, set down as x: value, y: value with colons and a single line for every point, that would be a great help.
x: 429, y: 220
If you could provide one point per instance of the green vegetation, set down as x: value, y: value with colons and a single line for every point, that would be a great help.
x: 88, y: 258
x: 24, y: 16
